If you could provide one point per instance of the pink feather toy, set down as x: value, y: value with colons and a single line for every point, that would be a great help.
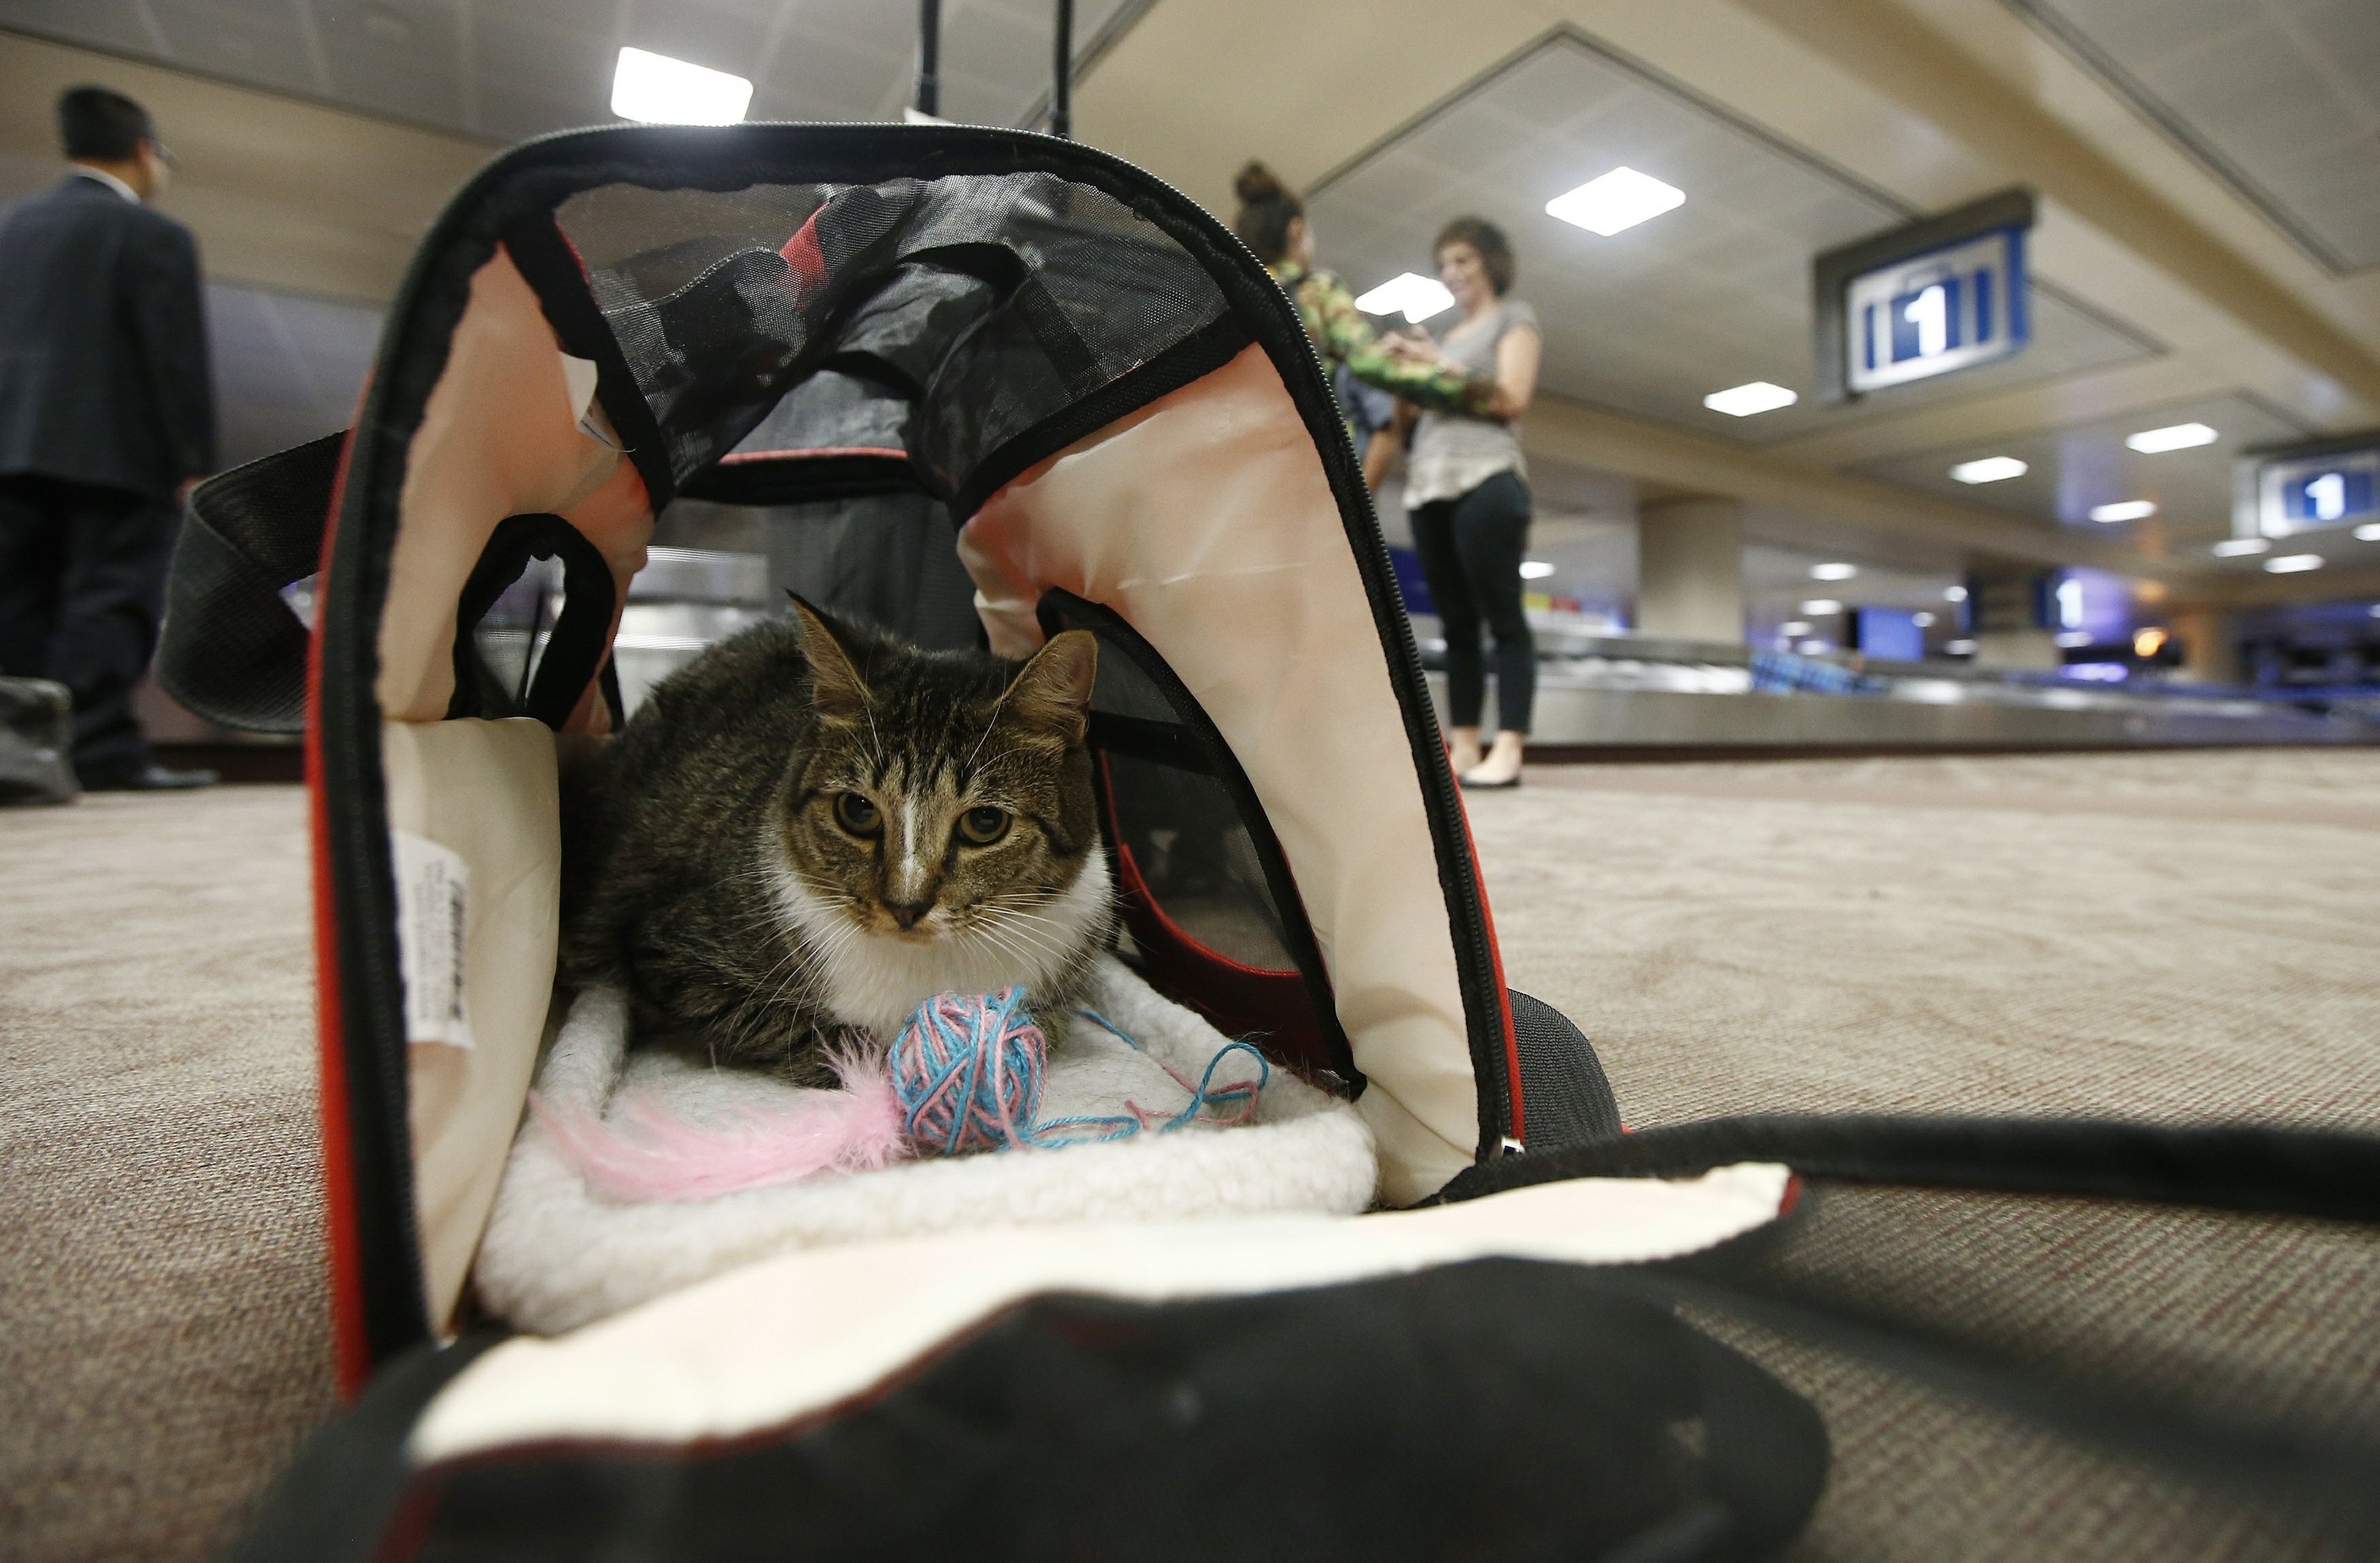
x: 641, y: 1150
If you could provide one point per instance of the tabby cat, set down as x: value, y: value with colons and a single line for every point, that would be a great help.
x: 814, y: 828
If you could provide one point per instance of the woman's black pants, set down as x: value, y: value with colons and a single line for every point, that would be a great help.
x: 1470, y: 551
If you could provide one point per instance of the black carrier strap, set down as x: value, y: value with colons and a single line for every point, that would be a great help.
x: 2275, y: 1171
x: 234, y: 648
x: 580, y: 645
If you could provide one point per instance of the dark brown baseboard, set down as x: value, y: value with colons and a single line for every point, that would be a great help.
x: 238, y: 762
x: 1657, y: 754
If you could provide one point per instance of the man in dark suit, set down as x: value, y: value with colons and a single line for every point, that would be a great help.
x: 106, y: 420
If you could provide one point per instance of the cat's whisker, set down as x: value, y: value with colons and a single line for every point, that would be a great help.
x: 1031, y: 937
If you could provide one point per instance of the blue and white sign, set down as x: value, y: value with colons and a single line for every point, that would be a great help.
x: 2315, y: 492
x: 1950, y: 310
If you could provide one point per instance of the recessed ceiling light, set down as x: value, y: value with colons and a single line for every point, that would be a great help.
x: 1410, y: 293
x: 2232, y: 548
x: 2291, y: 564
x: 1742, y: 401
x: 1990, y: 469
x: 2368, y: 533
x: 1819, y: 607
x: 2124, y: 510
x: 1921, y: 620
x: 1618, y: 199
x: 1801, y: 627
x: 1535, y: 569
x: 661, y: 90
x: 1833, y: 572
x: 1960, y: 647
x: 2173, y: 437
x: 1815, y: 648
x: 1954, y: 594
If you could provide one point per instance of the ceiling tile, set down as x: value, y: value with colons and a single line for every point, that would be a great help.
x: 2248, y: 90
x: 108, y: 24
x: 258, y: 42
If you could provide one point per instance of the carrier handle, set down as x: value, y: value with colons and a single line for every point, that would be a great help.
x: 929, y: 57
x: 234, y: 646
x: 1062, y: 72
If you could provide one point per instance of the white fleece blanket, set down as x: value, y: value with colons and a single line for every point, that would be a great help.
x: 557, y: 1255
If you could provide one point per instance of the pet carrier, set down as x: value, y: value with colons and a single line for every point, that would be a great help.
x: 1553, y: 1338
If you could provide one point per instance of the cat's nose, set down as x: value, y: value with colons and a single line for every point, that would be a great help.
x: 906, y: 912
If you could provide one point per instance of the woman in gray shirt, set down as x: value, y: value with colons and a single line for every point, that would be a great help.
x: 1466, y: 488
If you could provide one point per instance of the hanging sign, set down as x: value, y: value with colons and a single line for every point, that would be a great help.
x: 1932, y: 298
x: 2311, y: 488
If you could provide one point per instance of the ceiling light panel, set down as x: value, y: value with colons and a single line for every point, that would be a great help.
x: 1616, y: 201
x: 2233, y: 548
x: 2124, y: 510
x: 1742, y: 401
x: 658, y: 89
x: 1820, y: 607
x: 1409, y: 294
x: 1833, y: 572
x: 2173, y: 437
x: 2291, y: 564
x: 1989, y: 469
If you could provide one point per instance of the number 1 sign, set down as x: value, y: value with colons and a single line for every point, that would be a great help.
x: 1938, y: 296
x: 1950, y: 310
x: 2314, y: 487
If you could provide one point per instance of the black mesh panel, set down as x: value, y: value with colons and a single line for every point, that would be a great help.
x: 990, y: 304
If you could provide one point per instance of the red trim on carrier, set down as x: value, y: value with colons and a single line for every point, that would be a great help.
x: 1240, y: 999
x: 732, y: 457
x: 351, y: 1341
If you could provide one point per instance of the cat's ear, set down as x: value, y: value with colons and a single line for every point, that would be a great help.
x: 1052, y: 695
x: 837, y: 691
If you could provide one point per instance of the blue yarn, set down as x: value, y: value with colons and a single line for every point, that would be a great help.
x: 968, y: 1071
x: 1200, y: 1098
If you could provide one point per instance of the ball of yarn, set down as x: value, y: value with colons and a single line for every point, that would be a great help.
x: 966, y: 1070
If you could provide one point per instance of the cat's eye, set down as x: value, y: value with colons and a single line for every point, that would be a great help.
x: 981, y: 827
x: 856, y: 814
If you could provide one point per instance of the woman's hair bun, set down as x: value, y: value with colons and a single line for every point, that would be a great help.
x: 1256, y: 183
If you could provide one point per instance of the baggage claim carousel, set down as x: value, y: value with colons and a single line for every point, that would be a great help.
x: 1630, y: 697
x: 1614, y: 697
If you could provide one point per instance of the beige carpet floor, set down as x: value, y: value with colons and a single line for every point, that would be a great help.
x: 2167, y: 935
x: 163, y: 1338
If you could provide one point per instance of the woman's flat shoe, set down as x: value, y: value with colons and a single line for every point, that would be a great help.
x: 1511, y: 781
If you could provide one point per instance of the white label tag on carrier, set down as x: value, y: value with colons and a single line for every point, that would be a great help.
x: 432, y: 895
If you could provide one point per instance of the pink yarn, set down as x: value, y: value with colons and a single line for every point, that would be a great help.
x: 641, y: 1150
x: 967, y: 1071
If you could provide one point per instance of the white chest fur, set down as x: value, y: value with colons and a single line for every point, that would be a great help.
x: 877, y: 981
